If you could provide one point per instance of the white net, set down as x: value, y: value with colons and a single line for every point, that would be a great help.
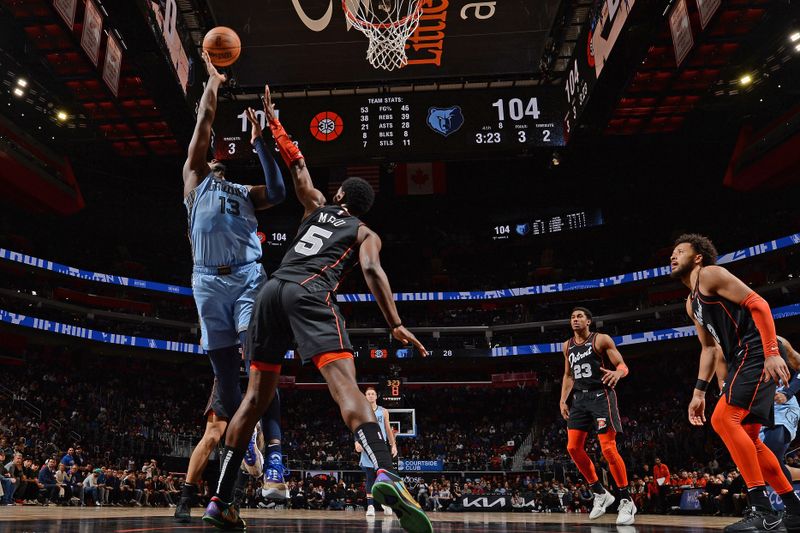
x: 387, y: 24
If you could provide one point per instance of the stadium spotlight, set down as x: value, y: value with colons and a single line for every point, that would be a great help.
x: 797, y: 47
x: 19, y: 92
x: 795, y: 37
x: 22, y: 82
x: 62, y: 116
x: 747, y: 79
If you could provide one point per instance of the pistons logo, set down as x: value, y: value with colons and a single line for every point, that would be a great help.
x: 326, y: 126
x: 601, y: 423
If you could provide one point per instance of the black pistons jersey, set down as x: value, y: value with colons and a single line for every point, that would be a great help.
x: 730, y: 324
x: 325, y: 249
x: 585, y: 362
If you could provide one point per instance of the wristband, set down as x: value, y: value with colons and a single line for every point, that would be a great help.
x: 701, y: 385
x: 288, y: 150
x: 624, y: 369
x: 396, y: 326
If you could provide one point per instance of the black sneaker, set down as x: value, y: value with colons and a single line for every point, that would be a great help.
x: 183, y: 512
x: 792, y: 522
x: 758, y: 521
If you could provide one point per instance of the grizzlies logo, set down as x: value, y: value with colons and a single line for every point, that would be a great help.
x: 523, y: 229
x: 445, y: 120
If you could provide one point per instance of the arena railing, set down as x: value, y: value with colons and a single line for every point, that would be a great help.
x: 488, y: 332
x: 570, y: 286
x: 72, y: 330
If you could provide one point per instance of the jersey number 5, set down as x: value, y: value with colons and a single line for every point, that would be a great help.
x: 312, y: 242
x: 582, y: 371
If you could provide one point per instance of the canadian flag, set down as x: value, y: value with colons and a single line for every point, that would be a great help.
x: 419, y: 178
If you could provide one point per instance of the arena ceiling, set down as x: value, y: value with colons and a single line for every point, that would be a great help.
x: 641, y: 92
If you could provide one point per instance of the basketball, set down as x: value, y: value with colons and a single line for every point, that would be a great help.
x: 223, y: 46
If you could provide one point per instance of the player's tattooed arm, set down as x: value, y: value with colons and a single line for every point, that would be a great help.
x: 196, y: 168
x: 611, y: 377
x: 378, y: 283
x: 566, y: 385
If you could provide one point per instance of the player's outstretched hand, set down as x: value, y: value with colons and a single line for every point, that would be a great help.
x: 611, y: 377
x: 697, y: 411
x: 564, y: 410
x: 269, y: 107
x: 775, y: 368
x: 255, y: 131
x: 405, y: 336
x: 211, y: 69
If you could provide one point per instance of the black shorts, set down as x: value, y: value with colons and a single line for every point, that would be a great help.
x: 595, y: 409
x: 224, y: 409
x: 286, y: 313
x: 744, y: 388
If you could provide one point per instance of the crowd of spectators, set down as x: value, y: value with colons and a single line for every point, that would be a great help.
x: 127, y: 412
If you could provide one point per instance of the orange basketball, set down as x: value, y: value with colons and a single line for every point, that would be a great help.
x: 222, y: 45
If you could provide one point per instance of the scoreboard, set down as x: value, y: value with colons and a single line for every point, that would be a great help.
x: 408, y: 126
x: 549, y: 222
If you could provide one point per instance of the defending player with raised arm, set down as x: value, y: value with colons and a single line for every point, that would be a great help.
x: 730, y: 316
x: 226, y: 276
x: 594, y: 407
x: 299, y: 303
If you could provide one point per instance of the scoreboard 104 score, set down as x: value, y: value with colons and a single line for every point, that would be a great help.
x: 405, y: 126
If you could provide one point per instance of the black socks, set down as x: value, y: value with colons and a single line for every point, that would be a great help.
x: 371, y: 439
x: 230, y: 461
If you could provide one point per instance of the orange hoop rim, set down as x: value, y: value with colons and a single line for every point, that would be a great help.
x: 364, y: 24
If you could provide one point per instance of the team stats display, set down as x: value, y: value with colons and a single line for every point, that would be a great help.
x: 405, y: 126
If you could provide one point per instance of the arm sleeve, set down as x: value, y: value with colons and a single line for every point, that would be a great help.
x: 276, y: 189
x: 762, y: 316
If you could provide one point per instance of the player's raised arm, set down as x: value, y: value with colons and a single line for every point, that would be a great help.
x: 196, y: 168
x: 708, y: 363
x: 378, y: 283
x: 566, y: 385
x: 309, y: 196
x: 611, y: 377
x: 274, y: 192
x: 720, y: 282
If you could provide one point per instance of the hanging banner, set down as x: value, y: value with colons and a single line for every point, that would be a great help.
x: 681, y: 30
x: 66, y: 8
x: 707, y: 8
x: 92, y: 32
x: 112, y: 64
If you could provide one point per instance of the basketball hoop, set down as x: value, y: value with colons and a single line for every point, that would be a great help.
x: 387, y: 24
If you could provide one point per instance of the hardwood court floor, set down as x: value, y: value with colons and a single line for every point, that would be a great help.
x: 142, y: 520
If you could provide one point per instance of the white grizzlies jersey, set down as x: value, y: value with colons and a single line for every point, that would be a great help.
x: 222, y: 224
x: 379, y: 414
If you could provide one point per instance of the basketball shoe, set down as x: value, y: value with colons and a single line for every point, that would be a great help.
x: 273, y: 486
x: 389, y: 490
x: 253, y: 462
x: 601, y: 502
x: 223, y: 516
